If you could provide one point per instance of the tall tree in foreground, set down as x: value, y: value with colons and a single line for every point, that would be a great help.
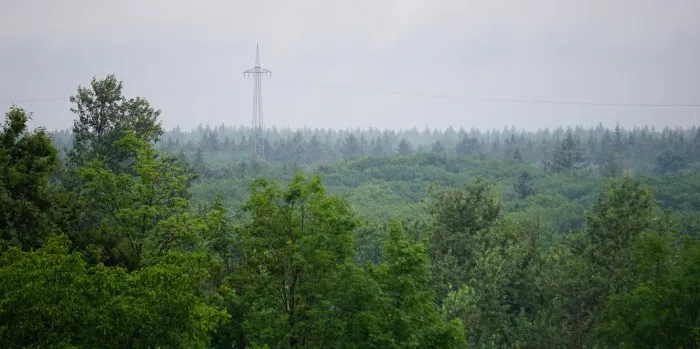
x: 411, y: 315
x: 623, y: 213
x: 662, y: 311
x: 105, y: 115
x: 53, y: 299
x: 133, y: 219
x: 293, y: 252
x: 27, y: 159
x: 601, y: 262
x: 299, y: 288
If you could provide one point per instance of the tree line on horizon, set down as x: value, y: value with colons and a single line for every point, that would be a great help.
x: 642, y: 149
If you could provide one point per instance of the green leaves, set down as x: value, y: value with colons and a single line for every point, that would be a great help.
x: 105, y: 116
x: 142, y: 269
x: 137, y: 218
x: 625, y: 211
x: 662, y: 310
x: 293, y: 250
x: 27, y: 216
x: 460, y: 218
x: 411, y: 315
x: 298, y: 285
x: 52, y: 298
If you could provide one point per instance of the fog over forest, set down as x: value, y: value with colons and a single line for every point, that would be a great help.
x: 429, y: 174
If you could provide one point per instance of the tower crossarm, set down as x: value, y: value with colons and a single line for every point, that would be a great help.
x: 257, y: 71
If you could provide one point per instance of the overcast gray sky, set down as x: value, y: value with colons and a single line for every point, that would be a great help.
x: 334, y: 61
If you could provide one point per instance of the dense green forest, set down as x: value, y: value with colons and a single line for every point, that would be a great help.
x: 119, y: 234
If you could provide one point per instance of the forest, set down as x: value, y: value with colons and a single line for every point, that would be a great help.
x: 117, y: 233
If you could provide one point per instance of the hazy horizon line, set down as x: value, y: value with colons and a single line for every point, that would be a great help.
x: 416, y: 128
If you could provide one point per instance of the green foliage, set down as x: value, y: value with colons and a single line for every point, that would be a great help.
x: 369, y: 240
x: 679, y: 191
x: 502, y: 290
x: 670, y: 161
x: 460, y: 218
x: 105, y: 116
x: 625, y: 211
x: 600, y: 262
x: 523, y: 185
x: 51, y: 298
x: 568, y: 155
x: 571, y: 255
x: 132, y: 220
x: 293, y: 250
x: 375, y: 201
x: 662, y: 311
x: 530, y: 283
x: 27, y: 213
x: 404, y: 278
x: 297, y: 285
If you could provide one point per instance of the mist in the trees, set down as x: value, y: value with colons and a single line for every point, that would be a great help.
x: 119, y: 234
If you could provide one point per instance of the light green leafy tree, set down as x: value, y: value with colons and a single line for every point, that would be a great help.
x: 293, y: 252
x: 496, y: 304
x: 104, y: 116
x: 53, y: 299
x: 299, y: 288
x: 410, y: 313
x: 599, y: 262
x: 623, y: 212
x: 662, y: 311
x: 133, y: 219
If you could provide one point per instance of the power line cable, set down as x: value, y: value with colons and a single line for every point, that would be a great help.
x: 17, y: 101
x: 511, y: 100
x: 444, y: 96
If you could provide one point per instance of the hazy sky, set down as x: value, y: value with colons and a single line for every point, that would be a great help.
x: 333, y: 62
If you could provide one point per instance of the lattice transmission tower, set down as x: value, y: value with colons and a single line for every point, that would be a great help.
x: 257, y: 145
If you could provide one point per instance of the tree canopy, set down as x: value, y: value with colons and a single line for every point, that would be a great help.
x: 343, y: 239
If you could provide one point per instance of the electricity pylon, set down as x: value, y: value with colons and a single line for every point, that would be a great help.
x: 257, y: 145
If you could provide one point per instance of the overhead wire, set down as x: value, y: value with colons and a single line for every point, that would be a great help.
x: 55, y: 99
x: 441, y: 96
x: 510, y: 100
